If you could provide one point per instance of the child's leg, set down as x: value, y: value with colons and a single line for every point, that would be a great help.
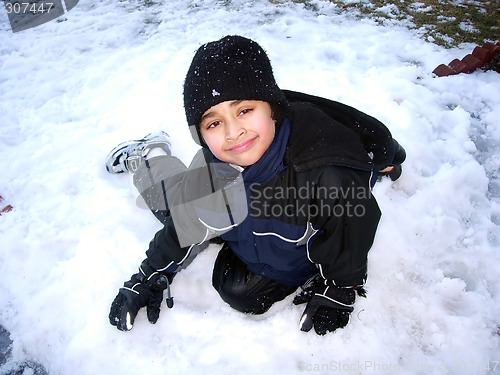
x: 394, y: 169
x: 399, y: 154
x: 151, y: 178
x: 146, y: 158
x: 242, y: 289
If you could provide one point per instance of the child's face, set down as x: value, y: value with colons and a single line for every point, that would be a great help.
x: 238, y: 131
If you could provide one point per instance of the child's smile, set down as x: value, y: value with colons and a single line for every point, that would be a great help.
x: 242, y: 146
x: 238, y: 131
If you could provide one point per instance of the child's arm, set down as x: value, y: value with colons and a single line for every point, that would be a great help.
x: 199, y: 203
x: 340, y: 251
x: 347, y: 234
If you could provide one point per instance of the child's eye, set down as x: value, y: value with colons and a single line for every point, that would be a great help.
x: 213, y: 124
x: 245, y: 111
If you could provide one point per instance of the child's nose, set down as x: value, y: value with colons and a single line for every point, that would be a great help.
x: 234, y: 130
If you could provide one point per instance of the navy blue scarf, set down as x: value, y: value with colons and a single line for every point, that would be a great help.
x: 271, y: 162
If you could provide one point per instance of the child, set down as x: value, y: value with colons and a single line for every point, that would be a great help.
x: 283, y: 179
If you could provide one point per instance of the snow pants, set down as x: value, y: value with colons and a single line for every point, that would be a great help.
x: 242, y: 289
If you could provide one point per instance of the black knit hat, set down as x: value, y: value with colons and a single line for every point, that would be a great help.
x: 232, y: 68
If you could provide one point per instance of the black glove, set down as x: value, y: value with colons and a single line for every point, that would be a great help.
x: 328, y: 307
x: 144, y: 289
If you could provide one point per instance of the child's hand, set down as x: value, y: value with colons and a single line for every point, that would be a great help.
x: 329, y: 308
x: 140, y: 291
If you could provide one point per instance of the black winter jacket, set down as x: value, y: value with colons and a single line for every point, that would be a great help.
x: 309, y: 200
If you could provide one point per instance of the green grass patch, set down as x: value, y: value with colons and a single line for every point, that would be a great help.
x: 446, y: 23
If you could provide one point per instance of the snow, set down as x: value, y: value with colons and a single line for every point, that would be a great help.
x: 110, y: 71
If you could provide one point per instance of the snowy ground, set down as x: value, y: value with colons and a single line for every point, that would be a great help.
x: 113, y: 70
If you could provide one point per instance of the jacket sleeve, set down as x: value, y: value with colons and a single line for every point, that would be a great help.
x: 347, y: 229
x: 165, y: 253
x: 198, y: 203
